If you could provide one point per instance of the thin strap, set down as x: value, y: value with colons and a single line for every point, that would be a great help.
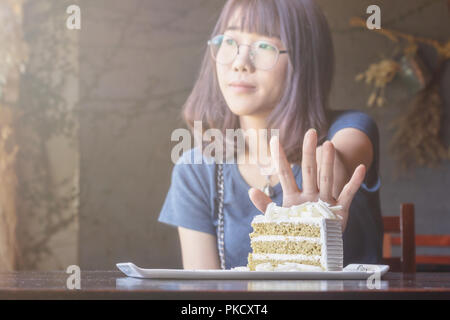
x: 220, y: 229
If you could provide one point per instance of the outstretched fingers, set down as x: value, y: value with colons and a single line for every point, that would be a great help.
x: 348, y: 192
x: 284, y: 170
x: 259, y: 199
x: 309, y: 164
x: 326, y: 172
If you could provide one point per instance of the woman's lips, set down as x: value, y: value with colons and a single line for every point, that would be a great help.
x: 241, y: 88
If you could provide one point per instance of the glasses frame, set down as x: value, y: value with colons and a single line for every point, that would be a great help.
x: 210, y: 42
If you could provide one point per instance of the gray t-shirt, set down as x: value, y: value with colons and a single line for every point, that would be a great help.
x: 191, y: 200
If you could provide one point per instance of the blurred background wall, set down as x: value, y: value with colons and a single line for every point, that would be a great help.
x: 47, y: 136
x: 132, y: 66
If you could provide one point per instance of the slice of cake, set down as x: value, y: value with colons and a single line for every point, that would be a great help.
x: 304, y: 237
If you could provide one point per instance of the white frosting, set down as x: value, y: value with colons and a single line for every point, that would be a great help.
x: 284, y: 238
x: 281, y: 257
x: 332, y: 250
x: 263, y: 219
x: 287, y: 266
x: 240, y: 269
x: 305, y: 212
x: 264, y: 267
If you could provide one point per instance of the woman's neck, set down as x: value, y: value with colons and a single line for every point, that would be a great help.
x: 256, y: 123
x: 253, y: 122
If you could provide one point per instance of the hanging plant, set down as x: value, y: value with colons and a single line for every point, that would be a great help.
x: 379, y: 75
x: 417, y: 139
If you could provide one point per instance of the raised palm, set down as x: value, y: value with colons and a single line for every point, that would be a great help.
x: 315, y: 185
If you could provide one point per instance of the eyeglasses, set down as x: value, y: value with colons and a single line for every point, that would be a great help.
x: 264, y: 55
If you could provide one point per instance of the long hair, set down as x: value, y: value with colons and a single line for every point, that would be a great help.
x: 303, y: 28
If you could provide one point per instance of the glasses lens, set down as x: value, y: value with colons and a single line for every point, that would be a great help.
x: 264, y: 55
x: 223, y: 49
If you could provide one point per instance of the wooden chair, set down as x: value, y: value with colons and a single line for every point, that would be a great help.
x: 422, y: 262
x: 403, y: 225
x: 429, y: 262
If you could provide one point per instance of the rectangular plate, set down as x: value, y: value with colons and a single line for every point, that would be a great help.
x: 350, y: 272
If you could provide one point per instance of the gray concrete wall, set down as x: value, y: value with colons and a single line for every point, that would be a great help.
x: 47, y: 136
x: 138, y: 62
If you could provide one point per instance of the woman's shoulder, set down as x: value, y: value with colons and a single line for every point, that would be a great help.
x: 350, y: 115
x: 193, y: 165
x: 352, y: 118
x: 193, y: 156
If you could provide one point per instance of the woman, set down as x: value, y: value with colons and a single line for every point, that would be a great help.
x: 270, y: 65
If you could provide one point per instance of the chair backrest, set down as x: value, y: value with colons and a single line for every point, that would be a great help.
x: 403, y: 225
x: 424, y: 240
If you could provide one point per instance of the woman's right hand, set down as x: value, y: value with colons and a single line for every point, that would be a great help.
x: 312, y: 190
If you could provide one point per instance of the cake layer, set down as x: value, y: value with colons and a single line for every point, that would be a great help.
x: 307, y: 234
x: 286, y: 229
x: 287, y: 247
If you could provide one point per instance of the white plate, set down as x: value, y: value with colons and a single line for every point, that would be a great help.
x: 350, y: 272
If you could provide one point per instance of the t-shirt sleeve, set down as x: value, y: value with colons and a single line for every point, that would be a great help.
x: 365, y: 123
x: 187, y: 202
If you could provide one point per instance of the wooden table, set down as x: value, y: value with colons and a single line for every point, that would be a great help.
x: 114, y: 285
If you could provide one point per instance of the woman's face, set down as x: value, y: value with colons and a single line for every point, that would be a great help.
x: 267, y: 85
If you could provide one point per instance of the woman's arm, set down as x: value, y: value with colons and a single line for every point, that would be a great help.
x: 353, y: 147
x: 198, y: 249
x: 187, y: 206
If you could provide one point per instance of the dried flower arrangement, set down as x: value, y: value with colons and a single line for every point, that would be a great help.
x: 379, y: 74
x: 417, y: 138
